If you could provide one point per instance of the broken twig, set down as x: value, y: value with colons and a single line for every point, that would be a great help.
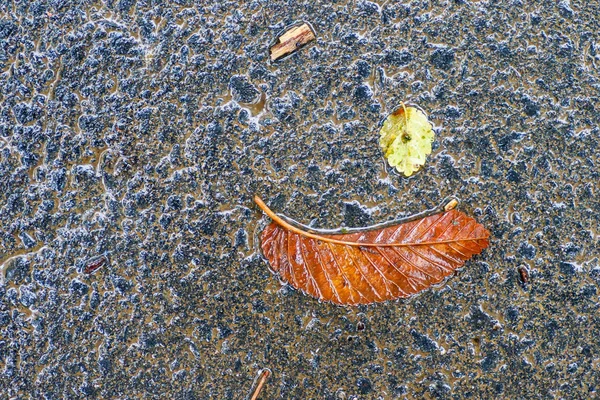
x: 291, y: 41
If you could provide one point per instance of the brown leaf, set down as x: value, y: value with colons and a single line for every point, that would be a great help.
x: 375, y: 265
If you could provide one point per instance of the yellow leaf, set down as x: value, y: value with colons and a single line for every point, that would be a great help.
x: 406, y: 138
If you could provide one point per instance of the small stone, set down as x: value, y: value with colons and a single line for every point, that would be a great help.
x: 567, y: 268
x: 364, y: 385
x: 27, y: 240
x: 513, y: 176
x: 564, y: 8
x: 398, y: 58
x: 363, y: 69
x: 424, y: 342
x: 78, y: 288
x: 442, y: 58
x: 530, y: 107
x: 362, y: 93
x: 527, y: 250
x: 243, y: 90
x: 356, y: 215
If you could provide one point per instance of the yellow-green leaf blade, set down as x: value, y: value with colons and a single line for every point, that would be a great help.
x: 406, y: 139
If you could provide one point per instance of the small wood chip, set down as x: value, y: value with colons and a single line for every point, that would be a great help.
x: 291, y: 41
x: 451, y: 205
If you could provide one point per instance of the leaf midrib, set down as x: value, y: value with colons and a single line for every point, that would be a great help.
x: 299, y: 231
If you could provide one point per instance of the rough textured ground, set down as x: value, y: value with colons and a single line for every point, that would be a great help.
x: 142, y: 131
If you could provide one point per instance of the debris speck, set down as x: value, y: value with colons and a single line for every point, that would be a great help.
x: 523, y: 274
x: 94, y: 264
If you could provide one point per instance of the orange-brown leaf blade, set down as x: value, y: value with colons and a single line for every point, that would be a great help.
x: 373, y: 266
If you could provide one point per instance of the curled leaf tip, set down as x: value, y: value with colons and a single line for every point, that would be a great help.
x: 406, y: 138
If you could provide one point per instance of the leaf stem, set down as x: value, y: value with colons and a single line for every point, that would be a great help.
x: 299, y: 231
x: 405, y: 116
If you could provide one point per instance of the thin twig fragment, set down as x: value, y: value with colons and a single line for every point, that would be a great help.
x: 264, y: 375
x: 291, y: 41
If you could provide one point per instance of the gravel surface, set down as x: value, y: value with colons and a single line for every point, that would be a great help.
x: 141, y: 132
